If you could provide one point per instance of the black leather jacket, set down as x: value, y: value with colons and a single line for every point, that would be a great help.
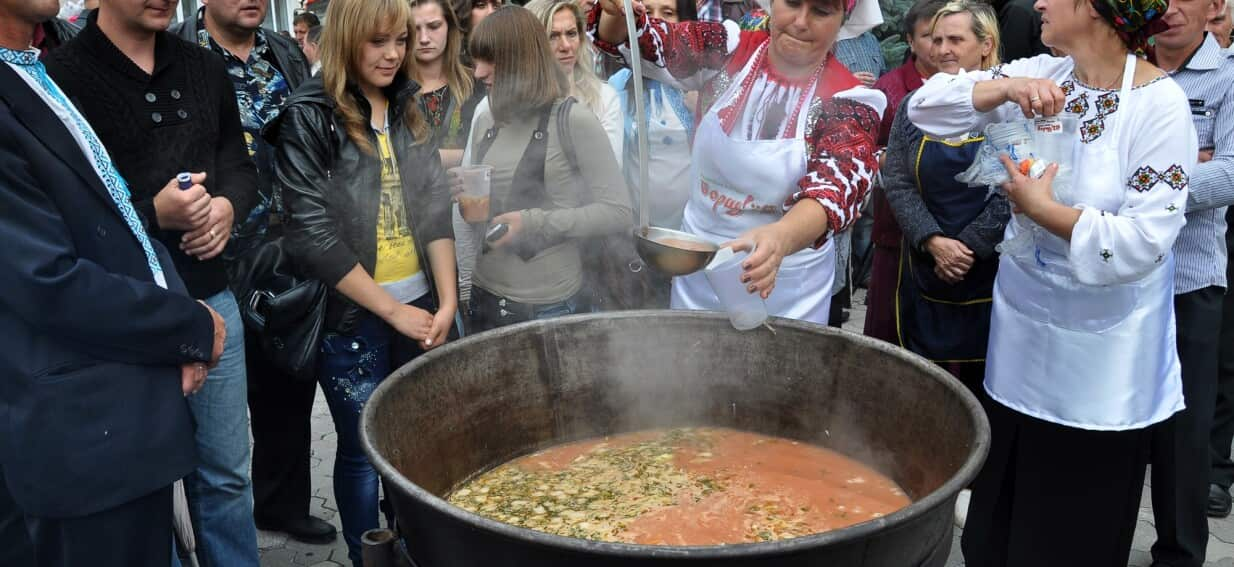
x: 332, y: 189
x: 287, y: 54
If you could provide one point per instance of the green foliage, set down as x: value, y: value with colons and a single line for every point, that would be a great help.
x: 888, y: 34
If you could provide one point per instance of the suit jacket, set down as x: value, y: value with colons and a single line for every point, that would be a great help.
x: 91, y: 411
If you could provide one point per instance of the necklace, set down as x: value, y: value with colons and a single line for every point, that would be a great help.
x: 1107, y: 86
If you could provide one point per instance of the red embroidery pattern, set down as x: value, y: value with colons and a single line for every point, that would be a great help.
x: 842, y: 161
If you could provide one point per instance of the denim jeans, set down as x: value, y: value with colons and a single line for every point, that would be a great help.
x: 350, y: 368
x: 219, y: 492
x: 487, y: 311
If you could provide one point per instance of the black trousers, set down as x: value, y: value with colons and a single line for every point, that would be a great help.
x: 1180, y: 448
x: 1223, y: 416
x: 280, y: 411
x: 15, y: 547
x: 134, y: 534
x: 1052, y: 495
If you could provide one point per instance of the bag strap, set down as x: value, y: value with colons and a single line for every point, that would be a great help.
x: 565, y: 136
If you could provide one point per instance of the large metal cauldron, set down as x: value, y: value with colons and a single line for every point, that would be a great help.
x: 469, y: 406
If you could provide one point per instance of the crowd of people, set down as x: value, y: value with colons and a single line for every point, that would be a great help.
x: 150, y: 173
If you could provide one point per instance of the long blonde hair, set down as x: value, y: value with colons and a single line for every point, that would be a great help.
x: 985, y: 25
x: 352, y: 23
x: 586, y: 86
x: 526, y: 78
x: 458, y: 76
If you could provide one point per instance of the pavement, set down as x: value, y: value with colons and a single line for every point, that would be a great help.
x: 279, y: 551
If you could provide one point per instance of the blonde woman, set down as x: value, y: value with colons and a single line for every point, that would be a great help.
x: 447, y: 95
x: 947, y: 262
x: 573, y: 53
x: 369, y: 216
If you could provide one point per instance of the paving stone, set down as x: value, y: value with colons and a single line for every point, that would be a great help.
x: 279, y: 558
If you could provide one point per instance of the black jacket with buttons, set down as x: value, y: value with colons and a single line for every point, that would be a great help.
x: 181, y: 117
x: 332, y: 189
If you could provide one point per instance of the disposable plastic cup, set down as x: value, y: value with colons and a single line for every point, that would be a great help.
x: 745, y: 310
x: 474, y: 201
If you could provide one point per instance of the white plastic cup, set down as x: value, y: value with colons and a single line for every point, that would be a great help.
x: 474, y: 201
x: 745, y: 310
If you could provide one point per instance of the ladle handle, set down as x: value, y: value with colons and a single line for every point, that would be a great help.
x: 640, y: 117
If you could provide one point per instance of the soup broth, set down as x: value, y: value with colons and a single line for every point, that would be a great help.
x: 689, y: 245
x: 689, y: 486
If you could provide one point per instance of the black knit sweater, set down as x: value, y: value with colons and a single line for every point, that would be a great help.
x: 183, y: 117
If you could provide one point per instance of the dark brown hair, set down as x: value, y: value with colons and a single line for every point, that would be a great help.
x: 526, y: 77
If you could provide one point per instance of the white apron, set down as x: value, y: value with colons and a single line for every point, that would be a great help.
x: 1086, y: 356
x: 739, y: 185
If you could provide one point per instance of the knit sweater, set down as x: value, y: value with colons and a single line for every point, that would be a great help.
x: 182, y: 117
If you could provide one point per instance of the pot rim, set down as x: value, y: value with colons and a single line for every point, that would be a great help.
x: 962, y: 478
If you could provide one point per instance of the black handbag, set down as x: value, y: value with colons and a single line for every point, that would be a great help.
x: 617, y: 276
x: 282, y: 309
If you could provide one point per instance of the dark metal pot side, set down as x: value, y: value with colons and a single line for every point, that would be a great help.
x: 471, y: 405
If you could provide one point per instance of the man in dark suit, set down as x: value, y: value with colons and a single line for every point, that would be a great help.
x: 102, y: 342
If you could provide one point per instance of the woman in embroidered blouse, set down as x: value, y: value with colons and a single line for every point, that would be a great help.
x: 447, y: 95
x: 1082, y: 356
x: 563, y: 20
x: 784, y: 149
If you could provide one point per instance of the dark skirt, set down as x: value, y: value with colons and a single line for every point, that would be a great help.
x: 881, y: 295
x: 1054, y: 495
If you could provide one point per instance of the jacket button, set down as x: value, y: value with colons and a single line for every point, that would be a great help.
x: 182, y: 114
x: 156, y: 117
x: 151, y: 98
x: 102, y: 232
x: 175, y: 94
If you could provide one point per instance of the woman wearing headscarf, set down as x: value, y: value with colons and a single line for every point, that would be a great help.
x: 1082, y: 357
x: 784, y: 150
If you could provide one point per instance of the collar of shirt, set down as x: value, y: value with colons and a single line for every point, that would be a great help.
x: 1207, y: 57
x: 205, y: 40
x: 24, y: 58
x: 100, y: 45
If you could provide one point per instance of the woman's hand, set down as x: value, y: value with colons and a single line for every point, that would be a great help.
x: 768, y: 245
x: 1035, y: 96
x: 440, y: 330
x: 455, y: 181
x: 952, y: 258
x: 617, y: 8
x: 1027, y: 194
x: 412, y: 322
x: 867, y: 78
x: 513, y: 220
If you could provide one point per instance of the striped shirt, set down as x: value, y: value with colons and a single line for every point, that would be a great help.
x: 861, y: 53
x: 1200, y: 251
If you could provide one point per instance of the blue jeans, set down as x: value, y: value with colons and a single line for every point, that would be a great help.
x: 487, y: 311
x: 220, y: 493
x: 350, y: 368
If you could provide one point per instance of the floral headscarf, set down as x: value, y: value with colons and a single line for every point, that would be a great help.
x: 1135, y: 20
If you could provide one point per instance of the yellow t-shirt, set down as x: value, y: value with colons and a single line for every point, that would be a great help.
x: 396, y: 249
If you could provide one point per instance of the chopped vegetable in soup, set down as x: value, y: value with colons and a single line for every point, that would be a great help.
x: 691, y: 486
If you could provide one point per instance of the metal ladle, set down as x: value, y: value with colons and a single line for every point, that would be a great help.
x: 656, y: 245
